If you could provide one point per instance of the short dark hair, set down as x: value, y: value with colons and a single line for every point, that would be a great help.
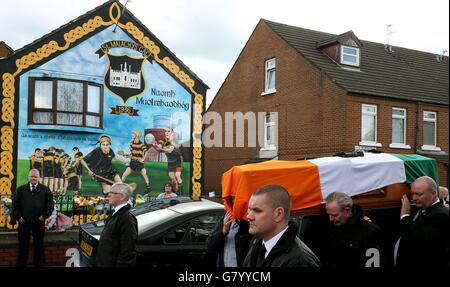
x: 37, y: 149
x: 75, y: 148
x: 169, y: 184
x: 277, y: 196
x: 34, y: 170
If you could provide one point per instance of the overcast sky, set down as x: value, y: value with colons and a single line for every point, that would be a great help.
x: 208, y: 35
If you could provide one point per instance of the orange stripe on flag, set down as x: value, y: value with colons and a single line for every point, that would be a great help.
x: 300, y: 178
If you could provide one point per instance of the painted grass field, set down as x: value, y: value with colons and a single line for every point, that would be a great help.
x: 156, y: 172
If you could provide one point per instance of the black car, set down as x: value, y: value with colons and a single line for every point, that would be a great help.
x: 171, y: 232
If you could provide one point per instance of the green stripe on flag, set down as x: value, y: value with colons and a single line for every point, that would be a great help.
x: 418, y: 165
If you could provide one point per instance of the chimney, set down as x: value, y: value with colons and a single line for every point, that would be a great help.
x: 442, y: 58
x: 388, y: 46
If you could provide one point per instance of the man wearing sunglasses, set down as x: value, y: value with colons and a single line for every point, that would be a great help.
x: 117, y: 245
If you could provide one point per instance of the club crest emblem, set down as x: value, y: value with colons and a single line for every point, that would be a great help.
x: 124, y: 76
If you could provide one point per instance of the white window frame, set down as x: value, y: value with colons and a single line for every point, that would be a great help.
x: 270, y: 65
x: 369, y: 143
x: 347, y: 62
x: 54, y: 110
x: 402, y: 145
x: 267, y: 124
x: 430, y: 147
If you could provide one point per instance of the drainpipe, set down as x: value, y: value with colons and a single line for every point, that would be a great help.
x: 417, y: 127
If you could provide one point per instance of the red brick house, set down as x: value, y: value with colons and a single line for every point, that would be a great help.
x: 333, y: 93
x: 5, y: 50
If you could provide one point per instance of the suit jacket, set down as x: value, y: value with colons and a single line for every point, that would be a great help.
x: 425, y: 241
x: 30, y: 205
x: 289, y: 251
x: 117, y: 245
x: 216, y: 242
x: 346, y: 245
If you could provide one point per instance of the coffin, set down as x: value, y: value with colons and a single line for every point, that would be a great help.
x: 374, y: 181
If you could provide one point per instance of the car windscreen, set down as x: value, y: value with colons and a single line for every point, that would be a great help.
x: 157, y: 204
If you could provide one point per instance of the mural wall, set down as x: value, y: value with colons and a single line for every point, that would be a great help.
x: 97, y: 101
x: 102, y: 112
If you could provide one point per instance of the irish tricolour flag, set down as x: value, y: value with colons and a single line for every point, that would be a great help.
x: 310, y: 181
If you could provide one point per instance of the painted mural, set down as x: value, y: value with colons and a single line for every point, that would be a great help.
x: 102, y: 112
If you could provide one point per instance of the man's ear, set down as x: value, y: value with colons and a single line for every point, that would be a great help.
x: 278, y: 214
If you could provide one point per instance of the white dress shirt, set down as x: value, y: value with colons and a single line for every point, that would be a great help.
x: 116, y: 208
x: 269, y: 244
x: 229, y: 248
x: 404, y: 215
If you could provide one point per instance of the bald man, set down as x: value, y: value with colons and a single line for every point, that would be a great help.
x: 424, y: 238
x: 32, y: 203
x: 277, y: 244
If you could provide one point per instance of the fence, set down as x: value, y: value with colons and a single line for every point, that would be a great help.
x: 64, y: 204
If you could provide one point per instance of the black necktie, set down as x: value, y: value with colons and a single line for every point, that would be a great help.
x: 261, y: 256
x: 110, y: 214
x: 33, y: 188
x: 419, y: 214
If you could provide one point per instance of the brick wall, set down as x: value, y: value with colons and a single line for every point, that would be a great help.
x: 56, y: 245
x: 5, y: 50
x: 414, y: 126
x: 384, y: 122
x: 309, y: 105
x: 55, y: 255
x: 316, y: 117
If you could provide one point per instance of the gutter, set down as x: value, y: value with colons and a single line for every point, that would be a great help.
x: 417, y: 126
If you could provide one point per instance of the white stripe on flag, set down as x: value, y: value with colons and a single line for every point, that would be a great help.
x: 357, y: 175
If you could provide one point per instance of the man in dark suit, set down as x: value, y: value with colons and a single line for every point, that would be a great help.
x: 276, y: 243
x: 424, y: 238
x: 117, y: 245
x: 32, y: 203
x: 351, y: 237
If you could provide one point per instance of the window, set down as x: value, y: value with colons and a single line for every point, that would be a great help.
x: 203, y: 226
x: 270, y: 76
x: 196, y: 230
x: 350, y: 56
x: 270, y: 131
x: 369, y: 125
x: 429, y: 131
x: 176, y: 234
x: 399, y: 128
x: 65, y: 102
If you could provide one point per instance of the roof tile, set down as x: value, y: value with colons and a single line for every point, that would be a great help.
x: 402, y: 74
